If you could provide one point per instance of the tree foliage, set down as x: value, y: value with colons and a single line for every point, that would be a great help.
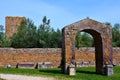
x: 44, y: 32
x: 1, y: 34
x: 4, y: 41
x: 84, y: 40
x: 28, y: 36
x: 19, y: 39
x: 116, y: 35
x: 47, y: 36
x: 44, y: 36
x: 31, y: 34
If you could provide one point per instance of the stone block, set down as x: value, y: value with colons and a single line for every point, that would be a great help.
x: 92, y: 63
x: 45, y: 65
x: 78, y: 64
x: 72, y: 70
x: 40, y: 65
x: 109, y: 70
x: 48, y: 65
x: 85, y: 64
x: 30, y: 65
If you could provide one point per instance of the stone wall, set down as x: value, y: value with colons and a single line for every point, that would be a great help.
x: 15, y: 56
x: 12, y: 24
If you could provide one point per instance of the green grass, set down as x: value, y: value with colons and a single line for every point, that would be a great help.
x: 85, y: 73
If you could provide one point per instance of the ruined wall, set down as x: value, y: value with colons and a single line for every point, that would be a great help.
x: 14, y: 56
x: 12, y: 24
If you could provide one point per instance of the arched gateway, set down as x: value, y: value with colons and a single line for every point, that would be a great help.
x: 102, y: 36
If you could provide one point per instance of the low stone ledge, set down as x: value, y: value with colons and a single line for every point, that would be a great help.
x: 85, y: 64
x: 48, y: 64
x: 30, y: 65
x: 40, y: 65
x: 116, y: 63
x: 45, y: 65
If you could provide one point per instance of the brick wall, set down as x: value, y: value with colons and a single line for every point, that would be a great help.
x: 12, y: 24
x: 14, y: 56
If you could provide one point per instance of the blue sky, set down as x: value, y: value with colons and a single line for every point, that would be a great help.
x: 61, y: 12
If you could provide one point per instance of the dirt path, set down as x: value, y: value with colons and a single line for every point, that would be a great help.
x: 22, y: 77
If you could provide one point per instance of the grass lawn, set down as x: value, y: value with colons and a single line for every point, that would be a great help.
x: 85, y: 73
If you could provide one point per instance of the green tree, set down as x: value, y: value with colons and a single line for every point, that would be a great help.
x: 1, y: 35
x: 56, y: 39
x: 31, y: 34
x: 78, y: 41
x: 116, y: 35
x: 28, y: 36
x: 108, y: 23
x: 87, y: 40
x: 84, y: 40
x: 44, y: 32
x: 19, y: 39
x: 6, y: 42
x: 47, y: 36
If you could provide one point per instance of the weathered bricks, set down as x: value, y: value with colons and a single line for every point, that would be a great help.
x: 12, y: 24
x: 14, y: 56
x: 102, y: 35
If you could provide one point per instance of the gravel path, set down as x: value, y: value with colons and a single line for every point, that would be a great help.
x: 22, y: 77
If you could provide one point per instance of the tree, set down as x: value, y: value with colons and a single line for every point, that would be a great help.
x: 78, y: 41
x: 47, y: 36
x: 19, y: 39
x: 116, y: 35
x: 1, y: 35
x: 56, y: 39
x: 28, y: 36
x: 31, y: 34
x: 83, y: 40
x: 44, y: 32
x: 6, y: 42
x: 108, y: 23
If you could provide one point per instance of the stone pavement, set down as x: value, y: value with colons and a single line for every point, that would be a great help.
x: 23, y: 77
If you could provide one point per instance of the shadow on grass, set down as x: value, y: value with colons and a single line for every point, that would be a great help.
x: 86, y: 72
x: 51, y: 71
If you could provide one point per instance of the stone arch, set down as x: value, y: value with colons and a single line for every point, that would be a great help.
x: 102, y: 36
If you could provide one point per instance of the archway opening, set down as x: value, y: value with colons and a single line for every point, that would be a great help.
x: 85, y: 55
x: 84, y: 39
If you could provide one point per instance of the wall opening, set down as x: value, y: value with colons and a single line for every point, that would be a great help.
x: 84, y: 39
x: 85, y: 52
x: 88, y: 39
